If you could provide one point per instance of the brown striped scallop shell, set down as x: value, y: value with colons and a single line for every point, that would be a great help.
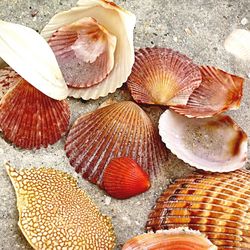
x: 116, y: 130
x: 30, y: 119
x: 218, y: 92
x: 213, y: 203
x: 163, y: 76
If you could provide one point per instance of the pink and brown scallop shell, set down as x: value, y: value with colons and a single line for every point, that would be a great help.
x: 215, y: 204
x: 218, y: 92
x: 116, y: 130
x: 163, y: 76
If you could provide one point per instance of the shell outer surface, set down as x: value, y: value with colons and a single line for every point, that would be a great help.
x: 54, y: 213
x: 124, y: 178
x: 8, y: 79
x: 163, y: 76
x: 30, y: 119
x: 173, y: 239
x: 216, y: 204
x: 117, y: 130
x: 214, y: 144
x: 218, y: 92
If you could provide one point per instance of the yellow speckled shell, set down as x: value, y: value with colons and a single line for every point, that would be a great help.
x: 55, y: 214
x: 215, y: 204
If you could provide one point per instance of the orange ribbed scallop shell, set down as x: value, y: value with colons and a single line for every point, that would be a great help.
x: 163, y: 76
x: 218, y: 92
x: 124, y: 178
x: 30, y: 119
x: 173, y: 239
x: 116, y: 130
x: 215, y: 204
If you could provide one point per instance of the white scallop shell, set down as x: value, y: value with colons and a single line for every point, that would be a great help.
x: 214, y: 144
x: 24, y: 50
x: 115, y: 20
x: 238, y: 44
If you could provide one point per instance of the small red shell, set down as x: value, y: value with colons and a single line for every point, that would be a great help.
x: 30, y: 119
x: 218, y: 92
x: 124, y: 178
x: 163, y: 76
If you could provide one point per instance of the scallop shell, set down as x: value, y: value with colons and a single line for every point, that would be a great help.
x: 163, y: 76
x: 218, y: 92
x: 172, y: 239
x: 24, y: 50
x: 54, y: 213
x: 216, y: 204
x: 124, y: 178
x: 8, y: 79
x: 30, y: 119
x: 118, y: 22
x: 116, y: 130
x: 237, y: 43
x: 214, y: 144
x: 84, y: 51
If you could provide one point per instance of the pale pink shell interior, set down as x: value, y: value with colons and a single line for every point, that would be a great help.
x: 215, y: 144
x: 84, y: 51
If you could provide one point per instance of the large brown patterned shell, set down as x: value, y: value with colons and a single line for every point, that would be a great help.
x: 215, y: 204
x: 163, y: 76
x: 54, y: 213
x: 173, y: 239
x: 218, y: 92
x: 30, y: 119
x: 116, y: 130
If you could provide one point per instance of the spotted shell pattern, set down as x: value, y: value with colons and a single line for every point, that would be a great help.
x: 55, y: 214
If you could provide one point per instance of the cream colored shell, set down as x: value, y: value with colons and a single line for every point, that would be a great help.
x: 24, y: 50
x: 116, y: 21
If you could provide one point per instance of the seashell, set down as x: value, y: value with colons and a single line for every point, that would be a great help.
x: 173, y: 239
x: 8, y: 79
x: 216, y: 204
x: 84, y: 51
x: 163, y: 76
x: 30, y: 119
x: 49, y: 198
x: 117, y: 130
x: 118, y: 22
x: 214, y: 144
x: 24, y: 50
x: 124, y: 178
x: 237, y: 43
x: 218, y: 92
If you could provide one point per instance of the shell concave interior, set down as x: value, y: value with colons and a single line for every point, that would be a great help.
x: 214, y: 144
